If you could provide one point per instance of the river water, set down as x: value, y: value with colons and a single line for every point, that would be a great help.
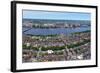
x: 53, y: 31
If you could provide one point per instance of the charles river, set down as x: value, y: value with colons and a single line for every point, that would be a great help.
x: 53, y: 31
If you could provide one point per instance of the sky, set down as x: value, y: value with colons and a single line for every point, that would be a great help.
x: 31, y: 14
